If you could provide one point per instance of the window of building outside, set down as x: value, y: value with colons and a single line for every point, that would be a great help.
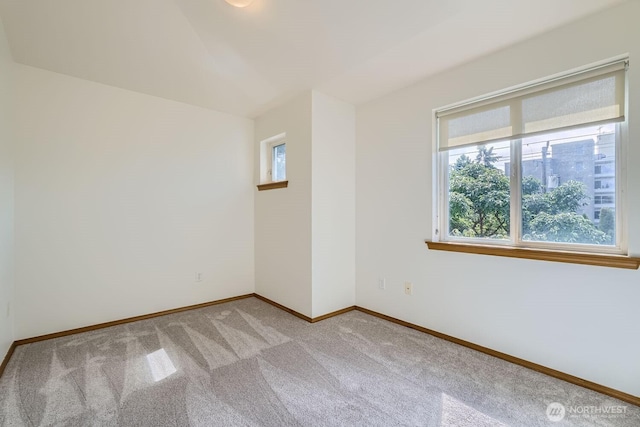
x: 537, y: 167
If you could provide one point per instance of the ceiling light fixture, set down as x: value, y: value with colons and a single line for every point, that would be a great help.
x: 239, y: 3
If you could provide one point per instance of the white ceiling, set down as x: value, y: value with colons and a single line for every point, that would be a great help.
x: 245, y: 61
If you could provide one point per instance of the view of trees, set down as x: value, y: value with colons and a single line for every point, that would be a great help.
x: 479, y: 206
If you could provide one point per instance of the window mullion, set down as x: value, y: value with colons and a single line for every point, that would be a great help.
x: 515, y: 220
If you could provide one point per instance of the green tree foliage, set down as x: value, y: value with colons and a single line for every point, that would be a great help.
x: 461, y: 162
x: 479, y: 195
x: 486, y: 157
x: 608, y: 223
x: 530, y: 185
x: 532, y: 206
x: 553, y: 217
x: 480, y: 201
x: 566, y: 227
x: 568, y: 197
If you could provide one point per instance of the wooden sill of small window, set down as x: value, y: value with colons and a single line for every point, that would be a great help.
x: 616, y: 261
x: 273, y: 185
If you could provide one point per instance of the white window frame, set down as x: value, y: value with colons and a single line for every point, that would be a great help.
x: 440, y: 186
x: 266, y: 157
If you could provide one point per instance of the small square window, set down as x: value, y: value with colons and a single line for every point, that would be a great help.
x: 273, y: 163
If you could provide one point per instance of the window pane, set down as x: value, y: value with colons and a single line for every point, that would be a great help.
x: 568, y: 187
x: 279, y: 162
x: 479, y: 191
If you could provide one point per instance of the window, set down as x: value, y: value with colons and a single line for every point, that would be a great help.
x: 273, y: 163
x: 604, y: 200
x: 536, y: 167
x: 605, y: 184
x: 605, y: 168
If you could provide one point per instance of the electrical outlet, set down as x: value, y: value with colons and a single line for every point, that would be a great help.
x: 198, y: 277
x: 382, y: 283
x: 408, y: 288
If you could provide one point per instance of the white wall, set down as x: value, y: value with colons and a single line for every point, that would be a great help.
x: 582, y: 320
x: 333, y: 204
x: 6, y: 197
x: 305, y: 234
x: 120, y: 199
x: 283, y: 216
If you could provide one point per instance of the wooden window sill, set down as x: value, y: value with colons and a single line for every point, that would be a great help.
x: 273, y: 185
x: 616, y: 261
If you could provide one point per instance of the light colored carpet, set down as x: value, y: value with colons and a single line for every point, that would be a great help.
x: 247, y: 363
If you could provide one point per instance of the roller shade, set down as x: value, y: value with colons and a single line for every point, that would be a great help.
x: 592, y: 97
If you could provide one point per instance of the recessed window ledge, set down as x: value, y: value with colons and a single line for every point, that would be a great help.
x: 615, y: 261
x: 273, y: 185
